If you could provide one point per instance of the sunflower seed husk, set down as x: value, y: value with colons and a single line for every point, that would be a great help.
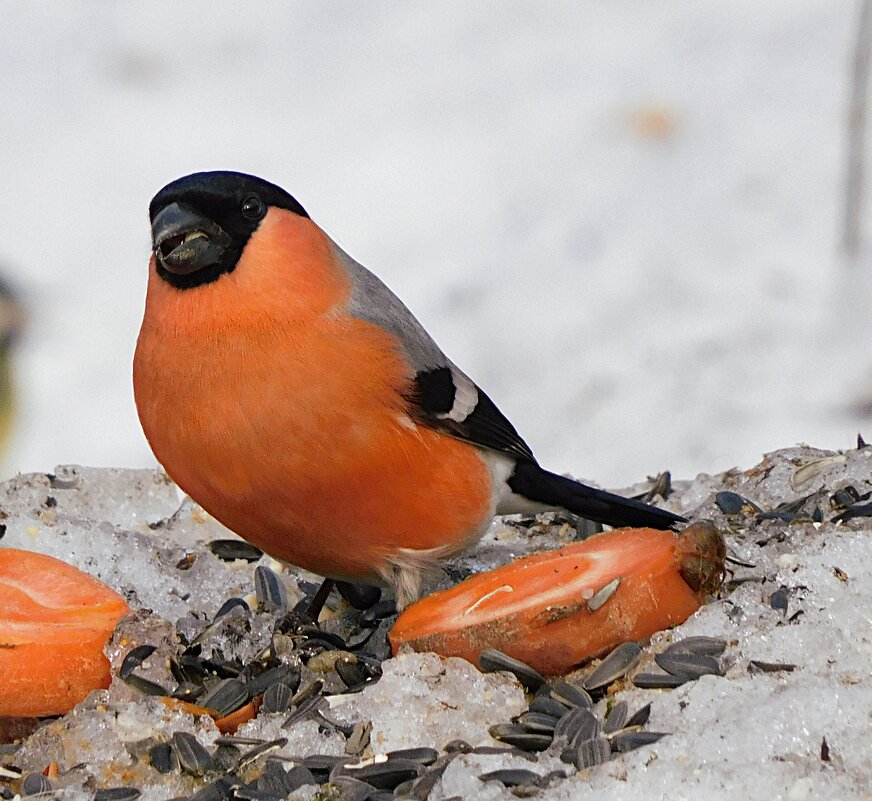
x: 351, y: 789
x: 34, y: 784
x: 277, y: 698
x: 219, y: 790
x: 193, y: 757
x: 386, y: 775
x: 225, y: 697
x: 117, y: 794
x: 134, y: 658
x: 230, y: 550
x: 602, y: 595
x: 298, y: 776
x: 639, y: 717
x: 309, y: 707
x: 352, y: 674
x: 617, y: 717
x: 625, y: 741
x: 658, y: 681
x: 770, y: 667
x: 623, y: 659
x: 250, y: 757
x: 272, y: 780
x: 491, y: 660
x: 512, y: 777
x: 690, y: 666
x: 229, y: 605
x: 590, y: 753
x: 226, y: 758
x: 145, y: 685
x: 163, y: 758
x: 358, y: 740
x: 270, y: 591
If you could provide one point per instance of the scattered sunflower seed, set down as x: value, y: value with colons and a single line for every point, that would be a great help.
x: 577, y: 725
x: 284, y: 674
x: 193, y: 757
x: 756, y: 666
x: 163, y: 758
x: 689, y: 665
x: 519, y: 737
x: 270, y: 591
x: 512, y: 777
x: 658, y: 681
x: 625, y: 741
x: 546, y: 705
x: 34, y: 784
x: 623, y: 659
x: 351, y: 789
x: 250, y: 757
x: 387, y: 775
x: 117, y: 794
x: 145, y: 685
x: 706, y: 646
x: 639, y: 717
x: 590, y: 753
x: 277, y: 698
x: 491, y: 660
x: 230, y: 550
x: 423, y: 756
x: 297, y: 777
x: 229, y: 605
x: 226, y: 758
x: 134, y: 658
x: 571, y: 694
x: 360, y: 596
x: 219, y: 790
x: 537, y: 721
x: 225, y: 697
x: 617, y: 717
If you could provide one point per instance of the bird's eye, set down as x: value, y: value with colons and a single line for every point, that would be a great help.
x: 253, y: 208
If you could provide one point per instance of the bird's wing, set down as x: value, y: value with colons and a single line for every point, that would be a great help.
x: 442, y: 396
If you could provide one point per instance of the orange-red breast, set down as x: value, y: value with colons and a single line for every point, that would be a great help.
x: 289, y: 392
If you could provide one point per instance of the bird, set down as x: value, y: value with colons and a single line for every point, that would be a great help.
x: 295, y: 398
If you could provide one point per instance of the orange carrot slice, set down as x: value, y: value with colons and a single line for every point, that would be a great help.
x: 557, y: 609
x: 54, y: 622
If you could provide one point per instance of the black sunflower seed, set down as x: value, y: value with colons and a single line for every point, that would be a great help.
x: 590, y: 753
x: 379, y: 611
x: 188, y: 691
x: 277, y: 698
x: 34, y: 784
x: 305, y: 710
x: 163, y: 758
x: 193, y: 757
x: 537, y: 721
x: 323, y: 763
x: 225, y: 697
x: 270, y: 591
x: 625, y: 741
x: 640, y: 716
x: 512, y: 777
x: 457, y: 747
x: 690, y: 666
x: 117, y: 794
x: 297, y: 777
x: 145, y: 686
x: 134, y: 658
x: 579, y: 723
x: 229, y: 605
x: 229, y: 550
x: 756, y: 665
x: 617, y: 717
x: 284, y: 674
x: 705, y: 646
x: 519, y: 737
x: 658, y: 681
x: 351, y: 673
x: 423, y: 756
x: 259, y: 751
x: 226, y: 758
x: 571, y: 695
x: 386, y: 775
x: 352, y: 789
x: 623, y: 659
x: 220, y: 790
x: 491, y: 660
x: 546, y: 705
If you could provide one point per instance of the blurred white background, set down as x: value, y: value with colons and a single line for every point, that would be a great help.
x: 620, y: 218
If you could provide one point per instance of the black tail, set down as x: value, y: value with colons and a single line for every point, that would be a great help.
x: 536, y: 484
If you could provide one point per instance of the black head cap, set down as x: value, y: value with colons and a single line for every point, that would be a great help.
x: 201, y: 223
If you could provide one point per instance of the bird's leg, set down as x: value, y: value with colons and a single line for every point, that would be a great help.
x: 313, y: 610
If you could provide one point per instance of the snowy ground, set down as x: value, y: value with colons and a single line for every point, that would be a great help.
x: 803, y: 731
x: 620, y: 218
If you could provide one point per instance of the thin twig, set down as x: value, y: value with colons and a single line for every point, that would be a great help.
x: 853, y: 229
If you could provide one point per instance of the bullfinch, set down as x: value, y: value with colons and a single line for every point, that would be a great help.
x: 291, y: 394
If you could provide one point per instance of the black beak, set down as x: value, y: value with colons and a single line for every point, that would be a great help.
x: 185, y: 241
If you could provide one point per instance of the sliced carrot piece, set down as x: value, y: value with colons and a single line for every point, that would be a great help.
x: 557, y: 609
x: 54, y: 622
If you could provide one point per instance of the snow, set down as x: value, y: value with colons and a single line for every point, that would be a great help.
x: 746, y: 734
x: 619, y: 218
